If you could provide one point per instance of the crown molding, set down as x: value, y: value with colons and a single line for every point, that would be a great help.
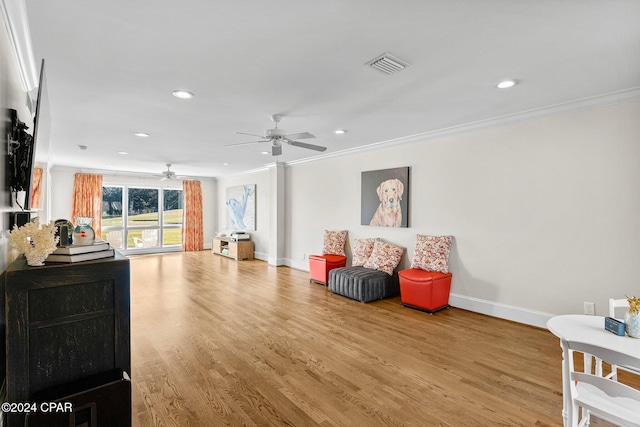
x: 629, y: 95
x: 132, y: 174
x: 17, y: 24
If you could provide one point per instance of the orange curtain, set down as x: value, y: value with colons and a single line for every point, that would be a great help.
x: 192, y: 237
x: 36, y: 188
x: 87, y: 199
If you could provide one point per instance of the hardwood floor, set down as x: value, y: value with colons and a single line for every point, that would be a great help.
x: 217, y: 342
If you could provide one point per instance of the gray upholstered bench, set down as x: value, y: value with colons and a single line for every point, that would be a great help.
x: 363, y: 284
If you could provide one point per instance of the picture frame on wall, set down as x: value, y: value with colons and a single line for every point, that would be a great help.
x: 241, y: 207
x: 384, y: 200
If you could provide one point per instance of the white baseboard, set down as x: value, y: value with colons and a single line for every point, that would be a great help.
x: 261, y: 256
x: 275, y: 261
x: 298, y: 264
x: 503, y: 311
x: 490, y: 308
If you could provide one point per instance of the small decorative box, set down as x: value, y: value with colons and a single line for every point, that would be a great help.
x: 614, y: 326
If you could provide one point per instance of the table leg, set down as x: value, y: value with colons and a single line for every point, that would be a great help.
x: 567, y: 408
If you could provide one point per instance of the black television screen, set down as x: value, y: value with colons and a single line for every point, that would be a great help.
x: 41, y: 123
x: 23, y: 146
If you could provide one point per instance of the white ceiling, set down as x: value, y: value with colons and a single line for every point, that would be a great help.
x: 111, y: 67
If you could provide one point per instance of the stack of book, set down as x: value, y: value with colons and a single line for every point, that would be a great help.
x: 75, y: 253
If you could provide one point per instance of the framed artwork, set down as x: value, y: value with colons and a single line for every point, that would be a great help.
x: 241, y: 207
x: 385, y: 198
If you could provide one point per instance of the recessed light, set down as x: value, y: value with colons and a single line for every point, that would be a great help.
x: 122, y: 152
x: 340, y: 131
x: 265, y: 152
x: 506, y: 84
x: 182, y: 94
x: 225, y: 164
x: 141, y: 134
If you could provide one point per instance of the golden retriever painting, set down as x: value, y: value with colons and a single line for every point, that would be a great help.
x: 384, y: 198
x: 389, y: 212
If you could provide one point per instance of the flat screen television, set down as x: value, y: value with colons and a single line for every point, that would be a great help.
x: 23, y: 156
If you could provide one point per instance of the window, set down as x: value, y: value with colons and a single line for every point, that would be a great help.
x: 112, y: 206
x: 144, y: 224
x: 172, y: 217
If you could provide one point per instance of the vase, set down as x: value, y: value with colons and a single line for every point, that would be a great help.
x: 632, y: 324
x: 83, y: 234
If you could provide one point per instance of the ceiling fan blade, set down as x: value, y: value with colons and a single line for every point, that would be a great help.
x: 305, y: 145
x: 276, y: 150
x: 246, y: 143
x: 302, y: 135
x: 250, y: 134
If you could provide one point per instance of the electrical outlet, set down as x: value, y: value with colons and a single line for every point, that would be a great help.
x: 590, y: 308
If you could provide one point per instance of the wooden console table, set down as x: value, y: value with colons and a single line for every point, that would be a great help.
x: 238, y: 250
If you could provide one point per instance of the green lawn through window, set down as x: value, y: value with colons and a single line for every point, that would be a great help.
x: 172, y: 236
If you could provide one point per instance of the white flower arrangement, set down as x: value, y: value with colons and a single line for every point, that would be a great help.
x: 35, y: 241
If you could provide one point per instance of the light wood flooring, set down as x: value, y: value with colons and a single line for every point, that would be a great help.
x: 217, y: 342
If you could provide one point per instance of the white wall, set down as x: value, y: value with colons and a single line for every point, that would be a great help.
x: 260, y: 236
x: 62, y: 195
x: 545, y: 213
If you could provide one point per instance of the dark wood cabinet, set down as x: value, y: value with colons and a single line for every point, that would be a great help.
x: 63, y: 322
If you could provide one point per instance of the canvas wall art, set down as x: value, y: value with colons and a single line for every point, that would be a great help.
x: 385, y: 198
x: 241, y: 207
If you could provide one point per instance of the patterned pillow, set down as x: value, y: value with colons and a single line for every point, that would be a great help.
x: 432, y: 253
x: 333, y: 243
x: 362, y: 251
x: 384, y: 257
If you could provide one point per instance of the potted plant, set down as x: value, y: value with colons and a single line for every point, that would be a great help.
x: 632, y: 317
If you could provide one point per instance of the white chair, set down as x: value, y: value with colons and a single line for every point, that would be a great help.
x: 617, y: 303
x: 149, y: 238
x: 601, y: 396
x: 613, y: 305
x: 115, y: 238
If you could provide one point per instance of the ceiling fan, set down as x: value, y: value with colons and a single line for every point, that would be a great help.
x: 169, y: 174
x: 277, y: 137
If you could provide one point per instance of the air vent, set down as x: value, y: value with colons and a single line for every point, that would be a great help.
x: 388, y: 64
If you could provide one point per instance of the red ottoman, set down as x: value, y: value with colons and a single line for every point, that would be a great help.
x: 320, y: 265
x: 424, y: 290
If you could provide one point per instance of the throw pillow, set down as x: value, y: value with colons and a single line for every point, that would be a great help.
x: 432, y: 253
x: 362, y: 251
x: 333, y: 243
x: 384, y: 257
